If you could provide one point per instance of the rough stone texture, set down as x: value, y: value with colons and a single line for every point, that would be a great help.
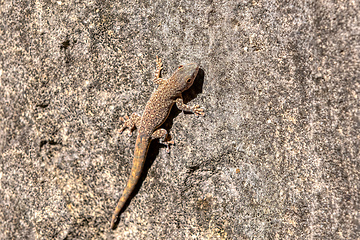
x: 276, y: 156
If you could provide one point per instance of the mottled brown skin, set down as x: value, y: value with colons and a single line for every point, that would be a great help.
x: 156, y: 111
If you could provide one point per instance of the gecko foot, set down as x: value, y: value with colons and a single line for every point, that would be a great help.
x: 130, y: 123
x: 167, y: 144
x: 158, y: 65
x: 198, y: 111
x: 164, y: 138
x: 157, y: 79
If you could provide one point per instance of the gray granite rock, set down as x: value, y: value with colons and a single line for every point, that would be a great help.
x: 276, y: 156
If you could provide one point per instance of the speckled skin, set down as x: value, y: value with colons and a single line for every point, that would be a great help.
x: 156, y: 111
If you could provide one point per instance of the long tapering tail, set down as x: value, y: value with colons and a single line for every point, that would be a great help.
x: 141, y: 147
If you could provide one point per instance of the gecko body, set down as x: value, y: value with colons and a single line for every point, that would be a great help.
x: 157, y: 109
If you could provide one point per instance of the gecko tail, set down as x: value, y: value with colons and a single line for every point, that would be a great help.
x: 129, y: 189
x: 136, y: 171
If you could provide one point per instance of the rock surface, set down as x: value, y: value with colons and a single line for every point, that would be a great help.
x: 276, y: 156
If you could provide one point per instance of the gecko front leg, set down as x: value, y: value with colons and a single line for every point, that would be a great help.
x: 194, y: 109
x: 157, y: 79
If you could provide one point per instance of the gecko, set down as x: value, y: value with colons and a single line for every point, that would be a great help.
x: 157, y: 109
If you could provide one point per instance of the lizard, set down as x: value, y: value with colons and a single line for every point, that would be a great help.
x: 157, y: 109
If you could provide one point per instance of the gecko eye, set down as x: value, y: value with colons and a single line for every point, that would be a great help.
x: 180, y: 66
x: 189, y: 80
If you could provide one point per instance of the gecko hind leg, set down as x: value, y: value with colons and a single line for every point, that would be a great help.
x: 164, y: 138
x: 132, y: 123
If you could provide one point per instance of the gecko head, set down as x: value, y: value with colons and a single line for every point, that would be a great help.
x: 185, y: 75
